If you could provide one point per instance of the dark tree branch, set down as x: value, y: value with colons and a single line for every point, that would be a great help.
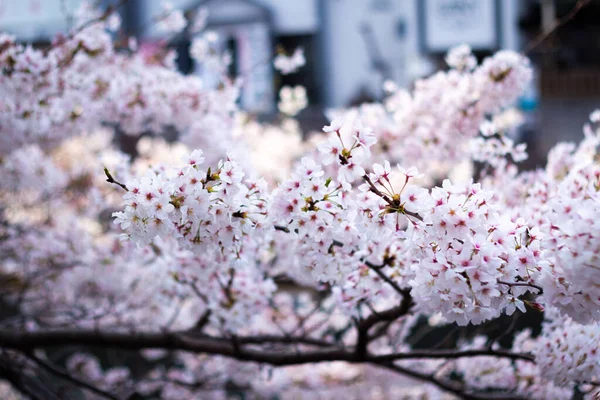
x: 240, y: 350
x: 453, y: 354
x: 269, y: 339
x: 202, y: 322
x: 391, y: 314
x: 27, y: 341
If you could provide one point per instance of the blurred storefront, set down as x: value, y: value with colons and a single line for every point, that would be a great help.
x: 353, y: 46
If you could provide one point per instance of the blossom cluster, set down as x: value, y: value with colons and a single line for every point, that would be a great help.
x: 430, y: 128
x: 195, y: 207
x: 494, y: 146
x: 569, y: 351
x: 572, y: 282
x: 471, y: 256
x: 521, y: 377
x: 82, y: 82
x: 289, y: 64
x: 561, y: 201
x: 292, y: 100
x: 351, y: 227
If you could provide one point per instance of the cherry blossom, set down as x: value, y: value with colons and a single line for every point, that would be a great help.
x: 241, y: 257
x: 292, y: 100
x: 290, y: 64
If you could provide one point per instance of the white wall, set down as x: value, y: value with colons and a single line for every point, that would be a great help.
x: 293, y: 16
x: 510, y: 24
x: 253, y: 43
x: 347, y: 63
x: 35, y: 19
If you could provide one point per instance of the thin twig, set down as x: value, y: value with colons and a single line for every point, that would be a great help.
x: 386, y: 198
x: 110, y: 179
x: 448, y: 386
x: 507, y: 331
x: 233, y: 348
x: 282, y: 228
x: 386, y: 278
x: 524, y: 284
x: 363, y: 326
x: 545, y: 35
x: 68, y: 377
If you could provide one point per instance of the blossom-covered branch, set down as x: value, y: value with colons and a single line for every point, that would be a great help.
x: 242, y: 256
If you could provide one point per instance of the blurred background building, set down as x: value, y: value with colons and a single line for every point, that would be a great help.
x: 353, y: 46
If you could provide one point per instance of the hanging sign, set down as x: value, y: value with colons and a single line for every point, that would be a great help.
x: 447, y: 23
